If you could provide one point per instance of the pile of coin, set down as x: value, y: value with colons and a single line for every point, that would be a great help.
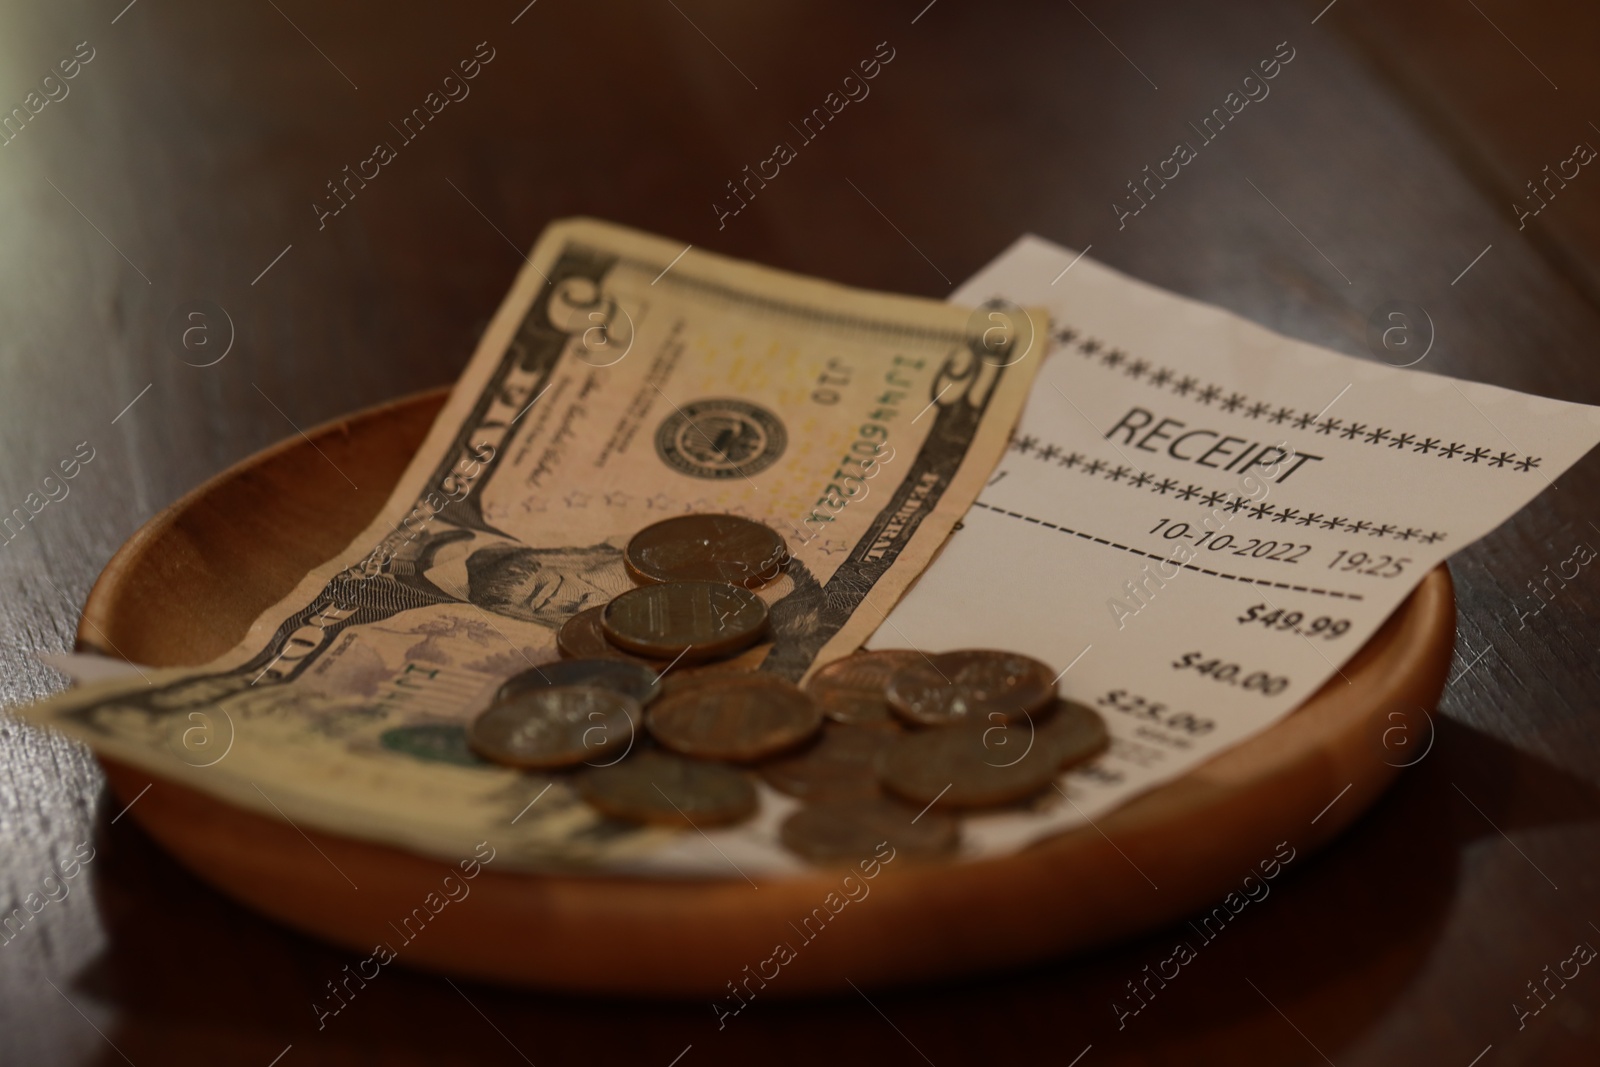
x: 660, y: 720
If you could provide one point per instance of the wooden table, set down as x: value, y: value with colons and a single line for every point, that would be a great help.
x: 184, y: 163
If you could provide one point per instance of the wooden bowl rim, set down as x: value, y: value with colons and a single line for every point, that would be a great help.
x: 1409, y: 654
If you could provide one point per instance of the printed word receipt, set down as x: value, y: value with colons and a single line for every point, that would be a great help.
x: 1201, y: 520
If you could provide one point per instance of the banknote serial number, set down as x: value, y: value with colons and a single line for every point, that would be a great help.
x: 1231, y: 674
x: 1152, y: 712
x: 1294, y: 622
x: 858, y: 467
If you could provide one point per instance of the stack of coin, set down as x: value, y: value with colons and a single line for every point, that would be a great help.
x: 662, y: 721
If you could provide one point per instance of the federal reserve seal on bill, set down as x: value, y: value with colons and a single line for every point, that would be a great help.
x: 720, y: 438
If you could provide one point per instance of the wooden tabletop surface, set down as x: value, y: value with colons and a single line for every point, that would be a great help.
x: 183, y: 161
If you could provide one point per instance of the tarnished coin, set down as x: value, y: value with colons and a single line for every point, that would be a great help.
x: 852, y: 831
x: 1077, y: 732
x: 842, y: 764
x: 619, y: 675
x: 716, y: 548
x: 739, y: 718
x: 581, y: 637
x: 968, y: 766
x: 852, y: 690
x: 972, y: 686
x: 557, y: 727
x: 658, y: 787
x: 695, y: 620
x: 681, y: 678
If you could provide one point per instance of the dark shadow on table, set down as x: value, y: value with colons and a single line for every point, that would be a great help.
x: 1331, y: 947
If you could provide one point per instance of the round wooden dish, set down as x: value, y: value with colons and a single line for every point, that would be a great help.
x: 187, y: 585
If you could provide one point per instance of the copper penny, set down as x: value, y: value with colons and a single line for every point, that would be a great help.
x: 620, y: 675
x: 842, y: 764
x: 969, y: 766
x: 851, y: 690
x: 557, y: 727
x: 581, y: 637
x: 695, y: 620
x: 853, y: 831
x: 970, y: 686
x: 660, y: 788
x: 682, y: 678
x: 717, y: 548
x: 739, y: 718
x: 1077, y: 732
x: 1074, y: 732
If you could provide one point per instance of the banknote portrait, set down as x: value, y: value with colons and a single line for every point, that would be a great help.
x: 548, y: 585
x: 609, y: 393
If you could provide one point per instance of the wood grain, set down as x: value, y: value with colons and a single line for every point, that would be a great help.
x: 196, y: 142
